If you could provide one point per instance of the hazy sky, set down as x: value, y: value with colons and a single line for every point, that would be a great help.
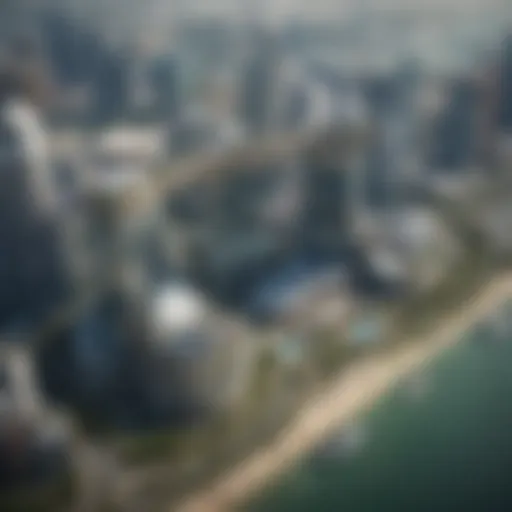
x: 133, y: 17
x: 276, y: 9
x: 328, y: 9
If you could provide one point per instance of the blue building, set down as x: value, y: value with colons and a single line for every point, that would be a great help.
x: 286, y: 292
x: 505, y: 87
x: 455, y: 144
x: 259, y: 82
x: 165, y: 78
x: 394, y: 139
x: 98, y: 349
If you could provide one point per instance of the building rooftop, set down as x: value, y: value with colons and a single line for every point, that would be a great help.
x: 299, y: 286
x: 175, y: 309
x: 129, y: 142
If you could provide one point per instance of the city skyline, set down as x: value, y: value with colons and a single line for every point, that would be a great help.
x: 129, y: 18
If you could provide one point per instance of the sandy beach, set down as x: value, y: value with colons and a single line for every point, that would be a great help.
x: 354, y: 390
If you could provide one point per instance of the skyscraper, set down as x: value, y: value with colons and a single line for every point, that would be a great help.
x: 487, y: 122
x: 165, y: 81
x: 111, y: 85
x: 505, y: 87
x: 381, y: 96
x: 454, y: 144
x: 259, y: 81
x: 31, y: 264
x: 325, y: 216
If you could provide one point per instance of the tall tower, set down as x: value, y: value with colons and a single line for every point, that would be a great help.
x: 380, y: 93
x: 260, y: 67
x: 454, y: 139
x: 259, y: 84
x: 165, y: 80
x: 505, y: 86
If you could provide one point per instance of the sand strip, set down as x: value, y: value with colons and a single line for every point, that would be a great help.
x: 354, y: 390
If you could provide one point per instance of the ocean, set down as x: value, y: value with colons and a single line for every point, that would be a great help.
x: 440, y: 440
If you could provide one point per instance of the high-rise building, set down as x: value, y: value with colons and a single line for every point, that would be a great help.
x: 295, y: 107
x: 454, y: 144
x: 487, y: 117
x: 112, y: 86
x: 505, y: 87
x: 325, y: 215
x: 376, y: 172
x: 32, y: 268
x: 259, y: 83
x: 165, y: 81
x: 392, y: 115
x: 75, y: 50
x: 381, y: 96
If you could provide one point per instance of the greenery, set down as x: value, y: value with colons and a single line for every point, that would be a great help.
x: 145, y: 448
x: 49, y: 497
x: 330, y: 353
x: 182, y: 443
x: 267, y: 365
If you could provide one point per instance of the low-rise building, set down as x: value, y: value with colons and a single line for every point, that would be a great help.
x: 303, y: 296
x: 410, y: 248
x: 127, y: 146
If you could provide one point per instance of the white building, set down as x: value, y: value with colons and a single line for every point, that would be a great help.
x: 410, y: 246
x: 195, y: 358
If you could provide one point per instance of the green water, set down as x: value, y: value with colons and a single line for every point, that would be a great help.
x: 448, y: 450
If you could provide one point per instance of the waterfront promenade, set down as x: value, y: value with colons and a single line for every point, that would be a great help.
x: 346, y: 396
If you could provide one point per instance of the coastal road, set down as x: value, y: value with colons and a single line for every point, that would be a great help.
x: 348, y: 395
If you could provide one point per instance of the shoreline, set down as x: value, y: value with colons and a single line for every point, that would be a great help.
x: 346, y: 396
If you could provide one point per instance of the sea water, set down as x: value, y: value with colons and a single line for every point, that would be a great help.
x: 450, y: 451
